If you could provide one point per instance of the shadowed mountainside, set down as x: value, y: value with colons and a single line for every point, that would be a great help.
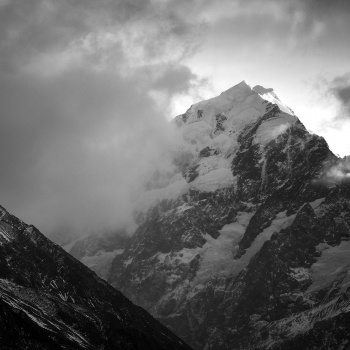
x: 49, y: 300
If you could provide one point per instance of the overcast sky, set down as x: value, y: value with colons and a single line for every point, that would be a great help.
x: 86, y: 89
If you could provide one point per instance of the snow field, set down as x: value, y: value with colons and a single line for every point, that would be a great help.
x: 332, y: 265
x: 101, y: 262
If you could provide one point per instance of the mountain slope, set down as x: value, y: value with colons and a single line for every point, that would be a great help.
x: 49, y: 300
x: 233, y: 253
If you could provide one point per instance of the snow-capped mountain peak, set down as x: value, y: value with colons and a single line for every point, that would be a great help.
x: 270, y: 95
x: 213, y: 132
x: 226, y: 253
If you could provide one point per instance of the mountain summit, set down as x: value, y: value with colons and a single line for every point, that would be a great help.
x: 245, y: 245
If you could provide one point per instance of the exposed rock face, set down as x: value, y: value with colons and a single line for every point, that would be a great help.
x: 49, y: 300
x: 97, y: 251
x: 249, y: 248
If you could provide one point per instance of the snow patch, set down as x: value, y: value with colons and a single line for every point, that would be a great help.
x: 217, y: 254
x: 208, y: 164
x: 224, y: 144
x: 317, y: 202
x: 235, y: 97
x: 183, y: 256
x: 280, y: 222
x: 270, y: 129
x: 216, y: 179
x: 151, y: 198
x: 197, y: 133
x: 182, y: 208
x: 300, y: 273
x: 332, y: 265
x: 101, y: 262
x: 128, y: 262
x: 238, y: 120
x: 269, y: 95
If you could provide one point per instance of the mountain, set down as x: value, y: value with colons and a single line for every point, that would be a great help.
x: 49, y: 300
x: 98, y: 250
x: 246, y: 246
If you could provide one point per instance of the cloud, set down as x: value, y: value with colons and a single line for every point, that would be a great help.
x: 339, y: 88
x: 85, y: 92
x: 86, y: 89
x: 326, y: 21
x: 142, y: 30
x: 326, y: 8
x: 340, y: 171
x: 335, y: 90
x: 72, y: 145
x: 174, y: 79
x: 294, y: 24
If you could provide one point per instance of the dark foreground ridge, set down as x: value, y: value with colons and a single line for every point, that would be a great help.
x: 49, y: 300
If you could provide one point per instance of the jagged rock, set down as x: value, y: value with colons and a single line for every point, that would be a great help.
x: 49, y: 300
x: 207, y: 152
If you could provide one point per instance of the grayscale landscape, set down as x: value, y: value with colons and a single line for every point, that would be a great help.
x: 182, y: 170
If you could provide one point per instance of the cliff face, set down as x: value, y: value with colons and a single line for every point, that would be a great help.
x: 247, y: 246
x: 49, y: 300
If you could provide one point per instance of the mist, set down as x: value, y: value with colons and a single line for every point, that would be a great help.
x: 87, y: 91
x: 339, y: 89
x: 75, y: 145
x: 86, y: 95
x: 340, y: 171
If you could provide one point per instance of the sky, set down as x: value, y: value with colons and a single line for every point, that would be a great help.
x: 87, y: 89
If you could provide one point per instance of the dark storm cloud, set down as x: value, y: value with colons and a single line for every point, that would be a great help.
x: 326, y: 8
x: 79, y: 125
x: 28, y: 28
x: 72, y: 144
x: 175, y: 79
x: 313, y: 9
x: 332, y: 17
x: 339, y: 88
x: 304, y: 22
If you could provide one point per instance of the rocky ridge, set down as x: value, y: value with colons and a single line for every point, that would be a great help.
x: 49, y: 300
x: 246, y: 247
